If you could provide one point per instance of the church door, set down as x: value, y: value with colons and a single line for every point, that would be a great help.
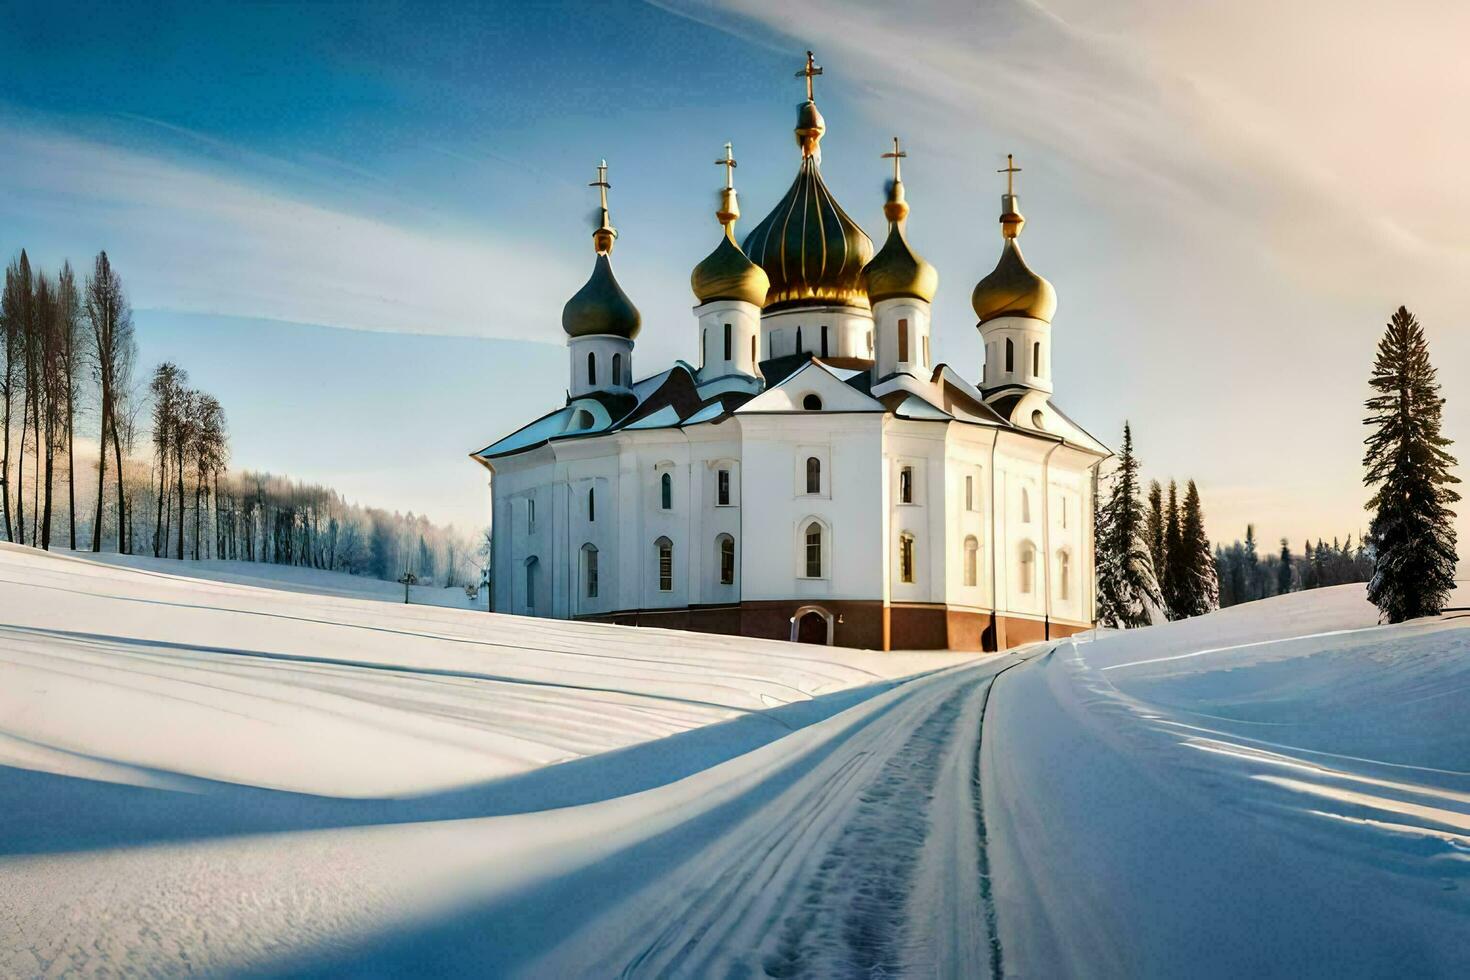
x: 812, y: 628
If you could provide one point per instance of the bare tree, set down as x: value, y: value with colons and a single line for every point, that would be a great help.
x: 71, y: 349
x: 166, y: 388
x: 13, y: 314
x: 112, y: 350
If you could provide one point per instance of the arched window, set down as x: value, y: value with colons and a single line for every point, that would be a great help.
x: 592, y: 367
x: 813, y: 475
x: 1036, y: 359
x: 1010, y: 356
x: 972, y: 551
x: 617, y: 372
x: 725, y: 552
x: 813, y: 550
x: 906, y: 557
x: 589, y: 570
x: 1025, y: 506
x: 812, y: 403
x: 906, y: 485
x: 903, y: 340
x: 1064, y: 575
x: 532, y: 566
x: 729, y: 342
x: 591, y: 504
x: 799, y: 348
x: 665, y: 549
x: 666, y: 492
x: 1028, y: 568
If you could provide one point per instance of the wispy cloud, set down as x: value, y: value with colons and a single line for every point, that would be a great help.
x: 1328, y: 135
x: 193, y: 240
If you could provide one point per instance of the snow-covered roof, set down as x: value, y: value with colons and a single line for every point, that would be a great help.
x: 676, y: 398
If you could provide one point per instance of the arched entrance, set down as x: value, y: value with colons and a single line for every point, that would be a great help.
x: 812, y: 624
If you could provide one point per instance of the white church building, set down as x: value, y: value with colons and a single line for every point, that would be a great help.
x: 816, y: 476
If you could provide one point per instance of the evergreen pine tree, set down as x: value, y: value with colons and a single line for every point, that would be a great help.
x: 1154, y: 526
x: 1408, y: 462
x: 1283, y: 571
x: 1199, y: 589
x: 1175, y: 564
x: 1255, y: 588
x: 1128, y: 590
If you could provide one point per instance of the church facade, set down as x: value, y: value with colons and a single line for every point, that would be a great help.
x: 816, y: 476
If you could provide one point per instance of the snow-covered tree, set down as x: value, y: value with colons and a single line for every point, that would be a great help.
x: 1408, y: 462
x: 1128, y: 590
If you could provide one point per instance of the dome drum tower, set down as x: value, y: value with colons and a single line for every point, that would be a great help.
x: 730, y: 289
x: 814, y: 254
x: 1014, y: 306
x: 600, y: 321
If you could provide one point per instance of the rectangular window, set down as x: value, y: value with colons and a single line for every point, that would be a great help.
x: 969, y: 493
x: 752, y: 353
x: 813, y: 551
x: 530, y: 513
x: 722, y: 488
x: 666, y: 568
x: 906, y: 485
x: 870, y: 343
x: 903, y: 340
x: 729, y: 341
x: 926, y: 350
x: 824, y: 341
x: 906, y: 558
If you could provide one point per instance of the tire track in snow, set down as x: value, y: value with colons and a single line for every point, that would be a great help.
x: 851, y: 921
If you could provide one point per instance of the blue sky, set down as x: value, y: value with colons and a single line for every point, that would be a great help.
x: 357, y: 223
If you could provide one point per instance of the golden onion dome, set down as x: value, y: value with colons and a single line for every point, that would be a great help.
x: 601, y: 306
x: 812, y: 252
x: 897, y: 270
x: 1012, y: 289
x: 726, y: 273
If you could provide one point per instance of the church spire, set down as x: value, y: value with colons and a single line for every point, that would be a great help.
x: 809, y: 122
x: 605, y: 234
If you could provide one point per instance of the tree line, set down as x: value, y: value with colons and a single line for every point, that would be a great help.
x: 70, y: 404
x: 1245, y: 575
x: 63, y: 348
x: 1154, y: 561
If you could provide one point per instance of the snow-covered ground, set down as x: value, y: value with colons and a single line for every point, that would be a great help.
x: 1281, y: 788
x: 208, y: 777
x: 293, y: 578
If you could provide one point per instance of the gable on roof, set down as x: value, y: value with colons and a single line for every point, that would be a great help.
x: 813, y: 379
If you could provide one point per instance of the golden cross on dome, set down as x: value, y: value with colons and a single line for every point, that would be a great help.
x: 601, y: 182
x: 728, y: 162
x: 1010, y: 170
x: 895, y: 156
x: 810, y: 71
